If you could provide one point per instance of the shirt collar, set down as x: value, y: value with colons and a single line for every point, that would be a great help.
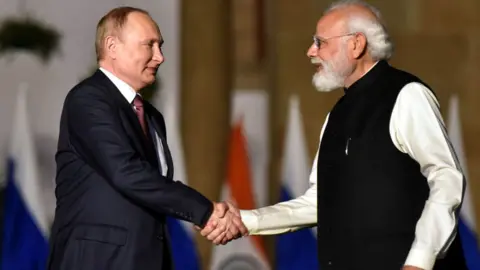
x: 126, y: 90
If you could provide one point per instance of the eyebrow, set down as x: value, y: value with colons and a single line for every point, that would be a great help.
x: 160, y: 41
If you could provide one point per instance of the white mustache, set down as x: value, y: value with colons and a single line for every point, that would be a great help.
x: 316, y: 61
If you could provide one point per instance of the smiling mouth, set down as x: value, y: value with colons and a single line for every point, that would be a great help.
x: 152, y: 70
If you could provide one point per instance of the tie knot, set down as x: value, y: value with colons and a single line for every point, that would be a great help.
x: 138, y: 101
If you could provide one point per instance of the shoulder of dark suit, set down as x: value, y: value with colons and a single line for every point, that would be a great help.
x: 92, y: 87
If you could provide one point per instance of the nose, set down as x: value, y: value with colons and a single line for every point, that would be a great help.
x: 158, y: 55
x: 312, y: 51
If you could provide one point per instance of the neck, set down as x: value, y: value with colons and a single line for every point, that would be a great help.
x: 361, y: 68
x: 111, y: 68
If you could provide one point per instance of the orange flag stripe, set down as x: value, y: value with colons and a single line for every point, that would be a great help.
x: 239, y: 177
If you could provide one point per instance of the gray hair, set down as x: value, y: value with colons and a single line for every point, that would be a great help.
x: 379, y: 44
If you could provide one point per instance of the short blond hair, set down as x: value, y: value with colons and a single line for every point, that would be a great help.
x: 112, y: 24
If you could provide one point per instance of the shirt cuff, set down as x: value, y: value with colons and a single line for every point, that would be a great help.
x: 421, y: 258
x: 250, y: 220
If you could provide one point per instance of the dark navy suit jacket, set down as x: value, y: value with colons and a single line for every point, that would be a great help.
x: 112, y: 200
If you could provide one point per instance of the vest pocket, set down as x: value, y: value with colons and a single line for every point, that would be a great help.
x: 360, y: 147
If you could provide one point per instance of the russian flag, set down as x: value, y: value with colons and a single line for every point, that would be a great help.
x: 296, y: 250
x: 26, y: 229
x: 467, y: 224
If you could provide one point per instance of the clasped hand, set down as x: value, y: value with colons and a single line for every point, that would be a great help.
x: 225, y: 224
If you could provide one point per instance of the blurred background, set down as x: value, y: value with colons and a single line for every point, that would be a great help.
x: 236, y: 76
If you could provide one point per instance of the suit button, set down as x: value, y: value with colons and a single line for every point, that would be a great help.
x: 159, y: 237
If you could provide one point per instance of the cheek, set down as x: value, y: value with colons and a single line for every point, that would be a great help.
x: 324, y: 55
x: 143, y: 57
x: 136, y: 61
x: 330, y: 54
x: 128, y: 57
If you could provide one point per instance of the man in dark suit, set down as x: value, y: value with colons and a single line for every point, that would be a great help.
x: 114, y: 185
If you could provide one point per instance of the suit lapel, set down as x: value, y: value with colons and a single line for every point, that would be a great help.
x: 161, y: 133
x: 126, y: 112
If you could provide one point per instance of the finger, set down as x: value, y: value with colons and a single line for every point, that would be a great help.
x: 230, y: 235
x: 233, y: 230
x: 206, y: 231
x: 225, y: 240
x: 212, y: 222
x: 220, y: 209
x: 243, y: 230
x: 214, y: 235
x: 233, y: 209
x: 231, y: 203
x: 240, y: 226
x: 220, y: 238
x: 218, y: 231
x: 208, y: 228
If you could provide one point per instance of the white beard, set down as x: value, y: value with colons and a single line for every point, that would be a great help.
x: 327, y: 81
x: 333, y: 73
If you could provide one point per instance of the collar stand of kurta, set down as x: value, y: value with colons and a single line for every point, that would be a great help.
x: 366, y: 80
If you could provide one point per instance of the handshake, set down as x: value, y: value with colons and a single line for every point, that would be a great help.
x: 225, y: 224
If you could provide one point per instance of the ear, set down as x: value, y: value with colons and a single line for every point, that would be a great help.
x: 359, y: 45
x: 110, y: 45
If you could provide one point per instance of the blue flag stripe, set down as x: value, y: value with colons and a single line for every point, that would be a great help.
x: 184, y: 252
x: 297, y: 250
x: 470, y: 246
x: 24, y: 247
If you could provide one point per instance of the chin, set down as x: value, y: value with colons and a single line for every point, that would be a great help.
x: 325, y: 84
x: 149, y: 79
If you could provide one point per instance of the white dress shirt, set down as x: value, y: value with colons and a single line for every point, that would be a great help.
x: 417, y: 129
x: 129, y: 94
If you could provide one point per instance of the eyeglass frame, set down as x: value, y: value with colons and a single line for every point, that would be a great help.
x: 318, y: 41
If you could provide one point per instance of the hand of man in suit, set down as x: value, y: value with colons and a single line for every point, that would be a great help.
x: 224, y: 225
x: 236, y: 212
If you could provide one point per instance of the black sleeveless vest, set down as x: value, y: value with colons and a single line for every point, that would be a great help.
x: 370, y: 195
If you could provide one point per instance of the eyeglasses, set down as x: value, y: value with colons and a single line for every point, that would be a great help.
x: 318, y: 41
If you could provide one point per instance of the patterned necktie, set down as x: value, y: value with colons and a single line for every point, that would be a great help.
x: 138, y: 105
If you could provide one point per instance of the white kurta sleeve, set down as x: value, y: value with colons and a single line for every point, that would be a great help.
x: 286, y: 216
x: 417, y: 129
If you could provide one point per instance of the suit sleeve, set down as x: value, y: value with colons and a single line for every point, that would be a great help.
x: 95, y: 128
